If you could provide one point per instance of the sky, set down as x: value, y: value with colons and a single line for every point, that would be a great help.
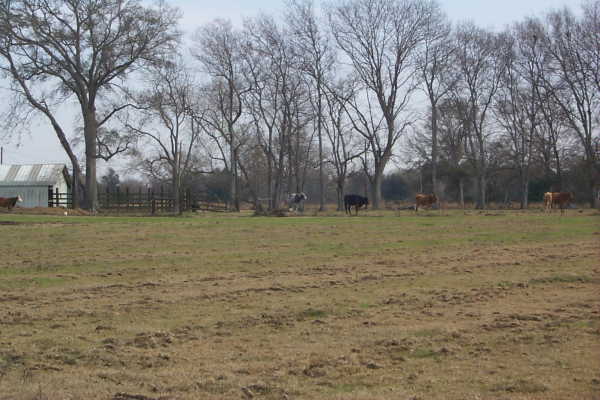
x: 40, y: 144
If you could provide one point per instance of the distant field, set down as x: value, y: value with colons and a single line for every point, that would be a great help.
x: 386, y: 305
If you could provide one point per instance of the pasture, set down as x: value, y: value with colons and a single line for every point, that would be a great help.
x: 490, y: 305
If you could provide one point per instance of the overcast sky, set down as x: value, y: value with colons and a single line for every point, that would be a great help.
x: 42, y: 146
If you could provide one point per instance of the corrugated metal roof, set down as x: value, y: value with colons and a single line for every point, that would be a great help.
x: 34, y: 174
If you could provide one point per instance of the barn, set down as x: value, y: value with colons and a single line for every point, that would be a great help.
x: 39, y: 185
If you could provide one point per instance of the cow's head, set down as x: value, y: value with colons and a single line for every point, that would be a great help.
x: 366, y: 202
x: 19, y: 198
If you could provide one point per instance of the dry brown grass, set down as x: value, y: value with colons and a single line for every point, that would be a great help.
x: 495, y: 305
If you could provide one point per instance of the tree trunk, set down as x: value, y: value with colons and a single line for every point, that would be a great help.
x: 75, y: 185
x: 234, y: 204
x: 252, y: 191
x: 340, y: 193
x: 270, y: 184
x: 377, y: 180
x: 91, y: 147
x: 176, y: 193
x: 320, y: 134
x: 461, y: 192
x: 482, y: 186
x: 524, y: 190
x: 558, y: 168
x: 434, y: 148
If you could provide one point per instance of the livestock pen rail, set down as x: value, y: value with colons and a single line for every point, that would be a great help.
x: 156, y: 201
x: 57, y: 199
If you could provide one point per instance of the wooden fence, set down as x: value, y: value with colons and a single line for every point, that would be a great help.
x: 149, y: 200
x: 57, y: 199
x: 155, y: 201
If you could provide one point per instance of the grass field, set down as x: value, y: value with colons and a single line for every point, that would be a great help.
x: 496, y: 305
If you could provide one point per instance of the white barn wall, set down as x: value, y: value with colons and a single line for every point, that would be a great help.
x: 32, y: 182
x: 33, y: 196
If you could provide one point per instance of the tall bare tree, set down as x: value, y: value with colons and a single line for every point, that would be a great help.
x: 435, y: 60
x: 481, y: 64
x: 590, y: 39
x: 277, y: 87
x: 379, y: 38
x: 342, y: 138
x: 219, y: 49
x: 317, y: 58
x: 517, y: 106
x: 454, y: 129
x: 575, y: 90
x: 55, y: 50
x: 168, y: 124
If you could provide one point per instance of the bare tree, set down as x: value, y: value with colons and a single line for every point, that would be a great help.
x: 273, y: 102
x: 481, y: 63
x: 317, y: 57
x: 167, y: 121
x: 435, y: 61
x: 55, y: 50
x: 454, y: 129
x: 590, y: 39
x: 517, y: 106
x: 219, y: 49
x: 575, y: 90
x: 379, y: 38
x: 343, y: 146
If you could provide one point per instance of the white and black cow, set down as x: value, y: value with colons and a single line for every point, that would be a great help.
x: 296, y: 201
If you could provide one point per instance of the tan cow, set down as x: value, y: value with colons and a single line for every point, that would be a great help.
x: 425, y: 200
x: 548, y: 201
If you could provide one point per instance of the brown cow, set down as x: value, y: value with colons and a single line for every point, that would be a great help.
x: 9, y: 202
x: 425, y: 200
x: 561, y: 199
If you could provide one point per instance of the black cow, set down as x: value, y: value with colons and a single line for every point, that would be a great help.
x: 355, y: 200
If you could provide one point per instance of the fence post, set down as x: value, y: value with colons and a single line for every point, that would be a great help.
x: 57, y: 193
x: 127, y: 198
x: 107, y: 198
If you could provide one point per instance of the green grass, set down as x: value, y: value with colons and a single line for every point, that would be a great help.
x: 317, y: 307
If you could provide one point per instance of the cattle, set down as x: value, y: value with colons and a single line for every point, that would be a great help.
x: 425, y: 200
x: 296, y: 201
x: 560, y: 199
x: 9, y: 202
x: 356, y: 201
x: 548, y: 201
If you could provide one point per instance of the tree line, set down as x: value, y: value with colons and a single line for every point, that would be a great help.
x: 313, y: 97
